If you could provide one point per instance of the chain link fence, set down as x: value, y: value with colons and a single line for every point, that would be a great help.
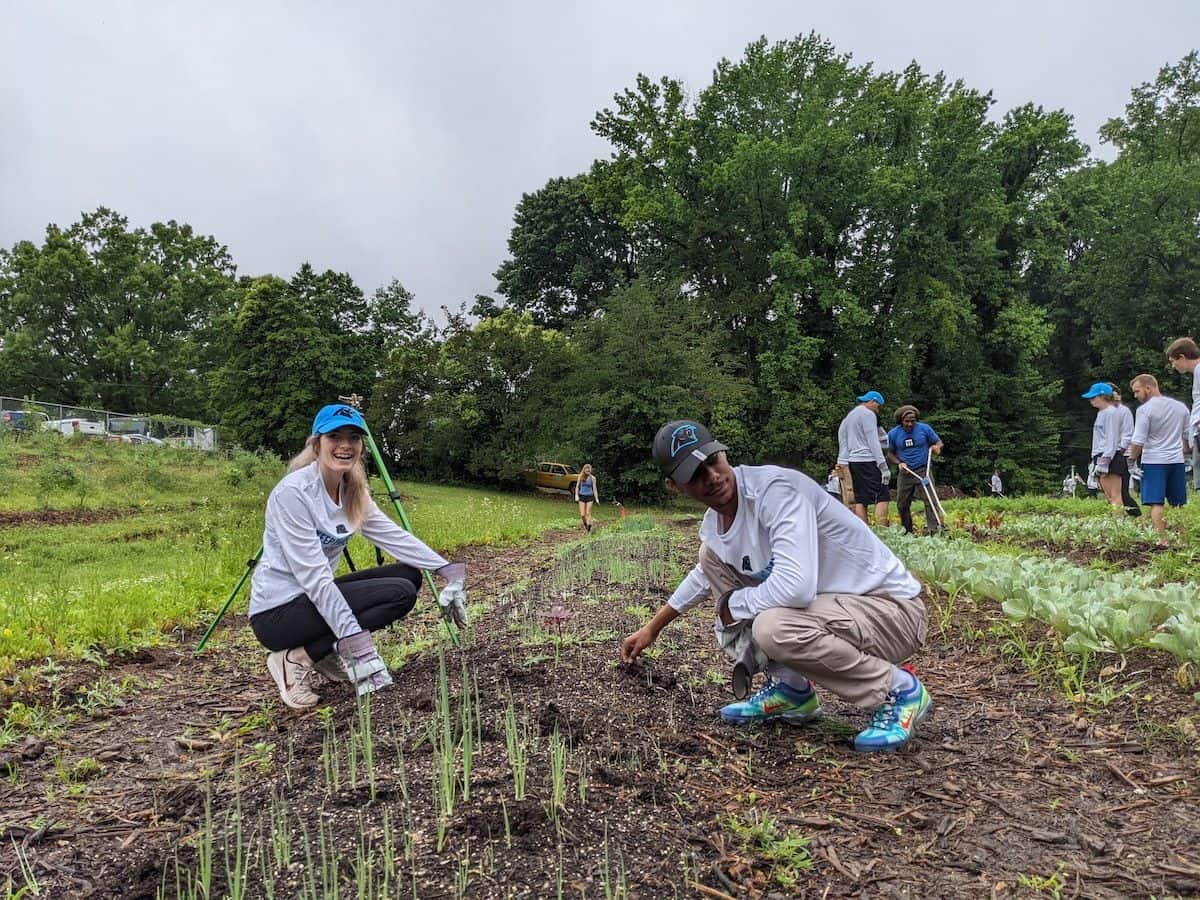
x: 28, y: 415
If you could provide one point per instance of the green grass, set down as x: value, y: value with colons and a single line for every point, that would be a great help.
x: 189, y: 522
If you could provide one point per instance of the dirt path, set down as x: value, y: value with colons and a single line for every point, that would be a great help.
x: 1009, y: 790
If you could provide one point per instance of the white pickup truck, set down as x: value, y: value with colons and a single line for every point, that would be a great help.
x: 77, y: 426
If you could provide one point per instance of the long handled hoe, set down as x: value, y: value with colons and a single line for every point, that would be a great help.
x: 393, y: 495
x: 932, y: 503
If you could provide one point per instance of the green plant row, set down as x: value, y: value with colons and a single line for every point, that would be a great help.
x: 1092, y: 610
x: 1100, y: 531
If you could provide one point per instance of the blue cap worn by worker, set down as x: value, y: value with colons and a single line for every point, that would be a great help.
x: 334, y: 416
x: 1099, y: 389
x: 869, y: 396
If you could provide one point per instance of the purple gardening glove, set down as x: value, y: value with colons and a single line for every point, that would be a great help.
x: 359, y: 657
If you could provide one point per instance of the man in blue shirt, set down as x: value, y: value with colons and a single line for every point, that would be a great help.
x: 910, y: 442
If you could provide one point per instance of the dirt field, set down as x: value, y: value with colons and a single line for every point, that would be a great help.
x: 1009, y: 789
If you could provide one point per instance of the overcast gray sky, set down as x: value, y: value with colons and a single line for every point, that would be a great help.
x: 394, y: 139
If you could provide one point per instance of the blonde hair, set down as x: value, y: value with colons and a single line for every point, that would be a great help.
x: 1147, y: 381
x: 355, y: 490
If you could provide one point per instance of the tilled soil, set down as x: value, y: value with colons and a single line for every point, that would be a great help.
x: 1009, y: 788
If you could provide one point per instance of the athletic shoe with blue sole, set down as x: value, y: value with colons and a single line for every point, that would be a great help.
x: 895, y: 721
x: 774, y: 701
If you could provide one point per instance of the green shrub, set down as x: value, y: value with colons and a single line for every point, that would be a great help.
x: 53, y: 476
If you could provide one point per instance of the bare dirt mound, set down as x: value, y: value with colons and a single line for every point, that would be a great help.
x: 63, y: 516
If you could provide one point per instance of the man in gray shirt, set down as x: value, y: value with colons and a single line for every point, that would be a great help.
x: 1184, y: 356
x: 860, y: 451
x: 1160, y: 440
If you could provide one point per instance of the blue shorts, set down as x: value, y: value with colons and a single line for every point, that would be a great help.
x: 1164, y: 480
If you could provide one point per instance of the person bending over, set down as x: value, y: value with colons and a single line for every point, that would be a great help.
x: 804, y: 590
x: 308, y: 619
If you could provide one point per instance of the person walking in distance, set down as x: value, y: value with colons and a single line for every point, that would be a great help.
x: 997, y: 484
x: 910, y: 443
x: 586, y: 493
x: 860, y: 451
x: 803, y: 590
x: 1184, y: 356
x: 1160, y: 442
x: 309, y: 620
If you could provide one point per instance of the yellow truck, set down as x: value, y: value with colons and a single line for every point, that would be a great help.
x: 552, y: 476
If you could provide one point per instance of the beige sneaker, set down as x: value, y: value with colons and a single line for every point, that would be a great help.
x: 292, y: 680
x: 331, y: 667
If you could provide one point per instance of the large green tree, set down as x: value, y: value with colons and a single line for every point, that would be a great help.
x: 116, y: 317
x: 285, y: 363
x: 567, y: 255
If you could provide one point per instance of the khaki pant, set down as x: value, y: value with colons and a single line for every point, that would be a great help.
x: 845, y: 643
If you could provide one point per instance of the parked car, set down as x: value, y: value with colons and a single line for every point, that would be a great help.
x: 552, y: 476
x: 77, y: 426
x: 23, y: 420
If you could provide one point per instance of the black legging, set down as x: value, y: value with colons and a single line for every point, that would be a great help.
x: 377, y: 597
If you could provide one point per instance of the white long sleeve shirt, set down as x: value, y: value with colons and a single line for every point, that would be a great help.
x: 304, y: 536
x: 1159, y: 427
x: 858, y: 437
x: 1194, y: 418
x: 1106, y: 433
x: 797, y: 542
x: 1124, y: 426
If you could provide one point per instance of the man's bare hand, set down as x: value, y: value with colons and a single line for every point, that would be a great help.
x: 633, y: 645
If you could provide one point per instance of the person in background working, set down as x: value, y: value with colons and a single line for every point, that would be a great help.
x: 1184, y: 356
x: 910, y: 443
x: 309, y: 620
x: 860, y: 451
x: 586, y: 493
x: 1120, y: 462
x: 1106, y: 440
x: 833, y: 484
x: 997, y: 484
x: 1160, y: 441
x: 803, y: 589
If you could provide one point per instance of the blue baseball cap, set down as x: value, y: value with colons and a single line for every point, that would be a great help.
x: 1099, y: 389
x: 869, y: 396
x: 335, y: 415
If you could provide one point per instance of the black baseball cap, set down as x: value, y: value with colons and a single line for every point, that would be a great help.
x: 681, y: 446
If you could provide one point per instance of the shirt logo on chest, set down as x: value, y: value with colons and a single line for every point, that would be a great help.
x: 328, y: 540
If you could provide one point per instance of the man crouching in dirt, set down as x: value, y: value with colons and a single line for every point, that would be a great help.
x: 804, y: 591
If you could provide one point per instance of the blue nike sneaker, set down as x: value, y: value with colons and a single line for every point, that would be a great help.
x: 895, y: 720
x: 774, y: 700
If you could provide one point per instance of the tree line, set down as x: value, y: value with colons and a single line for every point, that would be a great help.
x: 800, y: 230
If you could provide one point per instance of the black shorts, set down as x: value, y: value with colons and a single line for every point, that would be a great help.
x: 868, y: 483
x: 587, y: 498
x: 1119, y: 465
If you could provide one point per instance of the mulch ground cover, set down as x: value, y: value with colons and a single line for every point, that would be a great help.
x: 1009, y: 789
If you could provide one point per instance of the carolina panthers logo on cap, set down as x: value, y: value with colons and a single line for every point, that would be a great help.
x: 683, y: 436
x: 345, y: 412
